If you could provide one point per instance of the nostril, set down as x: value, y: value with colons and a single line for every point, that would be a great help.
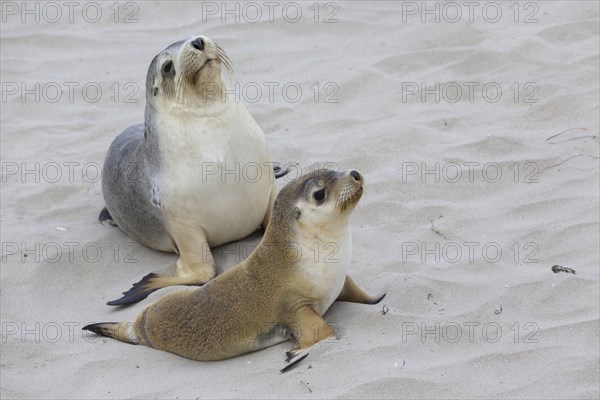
x: 355, y: 174
x: 198, y: 44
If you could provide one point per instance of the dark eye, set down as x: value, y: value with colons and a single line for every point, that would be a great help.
x: 167, y: 67
x: 319, y: 195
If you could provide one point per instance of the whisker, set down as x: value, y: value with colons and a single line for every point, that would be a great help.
x: 226, y: 61
x: 180, y: 92
x: 347, y: 195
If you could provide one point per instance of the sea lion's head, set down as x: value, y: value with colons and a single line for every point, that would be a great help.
x: 320, y: 201
x: 187, y: 73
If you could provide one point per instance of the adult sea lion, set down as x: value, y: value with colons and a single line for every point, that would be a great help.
x: 196, y: 174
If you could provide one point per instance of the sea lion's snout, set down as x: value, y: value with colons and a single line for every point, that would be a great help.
x: 352, y: 188
x: 198, y: 44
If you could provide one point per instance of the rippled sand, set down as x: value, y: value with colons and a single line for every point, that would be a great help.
x: 472, y: 196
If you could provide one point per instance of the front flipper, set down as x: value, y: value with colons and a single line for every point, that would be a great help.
x: 353, y: 293
x: 293, y: 359
x: 194, y: 267
x: 309, y: 328
x: 152, y: 282
x: 141, y: 290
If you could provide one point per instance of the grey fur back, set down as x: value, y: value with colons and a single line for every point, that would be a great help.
x: 130, y: 184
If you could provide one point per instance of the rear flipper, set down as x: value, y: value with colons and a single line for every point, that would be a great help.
x: 122, y: 331
x: 105, y: 218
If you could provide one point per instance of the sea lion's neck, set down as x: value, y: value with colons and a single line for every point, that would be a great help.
x: 286, y: 244
x: 275, y: 248
x: 209, y: 92
x: 186, y: 110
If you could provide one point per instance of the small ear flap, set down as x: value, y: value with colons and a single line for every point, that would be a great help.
x: 297, y: 212
x: 155, y: 91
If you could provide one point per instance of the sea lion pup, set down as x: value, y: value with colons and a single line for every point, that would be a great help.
x: 196, y: 174
x: 278, y: 293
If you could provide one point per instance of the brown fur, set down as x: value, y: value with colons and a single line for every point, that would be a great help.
x: 260, y: 302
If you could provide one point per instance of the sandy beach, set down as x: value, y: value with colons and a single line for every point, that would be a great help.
x: 475, y: 126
